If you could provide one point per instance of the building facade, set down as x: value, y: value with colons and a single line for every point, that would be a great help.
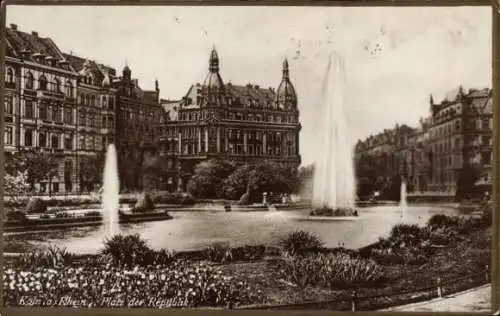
x: 40, y: 104
x: 222, y: 120
x: 457, y: 133
x: 73, y: 107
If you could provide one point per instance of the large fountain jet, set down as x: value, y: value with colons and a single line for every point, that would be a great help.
x: 110, y: 194
x: 334, y: 181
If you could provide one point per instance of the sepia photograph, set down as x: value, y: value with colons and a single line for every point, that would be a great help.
x: 248, y: 158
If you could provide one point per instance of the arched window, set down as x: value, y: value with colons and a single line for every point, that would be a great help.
x: 87, y: 100
x: 68, y: 87
x: 42, y: 83
x: 9, y: 76
x: 29, y: 81
x: 57, y: 85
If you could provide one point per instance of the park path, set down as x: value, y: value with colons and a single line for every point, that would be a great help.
x: 473, y: 300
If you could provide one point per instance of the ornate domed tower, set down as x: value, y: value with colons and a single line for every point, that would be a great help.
x: 286, y: 98
x: 213, y: 84
x: 127, y: 73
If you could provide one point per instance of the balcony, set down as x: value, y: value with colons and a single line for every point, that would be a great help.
x: 30, y: 92
x: 10, y: 85
x: 45, y: 94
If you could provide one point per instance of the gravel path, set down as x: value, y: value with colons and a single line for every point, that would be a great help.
x: 474, y: 300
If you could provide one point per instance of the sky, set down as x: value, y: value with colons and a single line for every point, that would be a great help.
x: 395, y: 57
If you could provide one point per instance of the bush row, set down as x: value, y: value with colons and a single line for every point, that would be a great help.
x: 39, y: 205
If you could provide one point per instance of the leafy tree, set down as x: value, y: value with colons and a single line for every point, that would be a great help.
x: 305, y: 178
x: 208, y: 176
x: 154, y: 168
x: 254, y: 180
x: 38, y: 165
x: 91, y: 170
x: 467, y: 177
x: 16, y: 186
x: 235, y: 185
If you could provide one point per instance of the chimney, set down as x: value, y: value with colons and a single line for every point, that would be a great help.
x: 13, y: 26
x: 34, y: 33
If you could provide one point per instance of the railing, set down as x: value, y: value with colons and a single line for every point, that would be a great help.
x: 355, y: 302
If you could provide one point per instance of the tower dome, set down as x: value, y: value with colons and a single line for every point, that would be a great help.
x: 213, y: 78
x: 286, y: 95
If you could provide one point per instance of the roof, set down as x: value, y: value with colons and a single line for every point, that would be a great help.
x: 98, y: 70
x: 18, y: 41
x: 171, y: 108
x: 248, y: 93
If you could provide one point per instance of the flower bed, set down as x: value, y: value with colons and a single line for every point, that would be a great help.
x: 179, y: 284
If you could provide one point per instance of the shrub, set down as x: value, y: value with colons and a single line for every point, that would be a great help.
x: 487, y: 215
x: 53, y: 257
x: 93, y: 213
x: 127, y: 250
x: 441, y: 220
x: 299, y: 242
x: 174, y: 198
x: 16, y: 216
x: 248, y: 253
x: 36, y: 205
x: 219, y: 252
x: 331, y: 270
x: 144, y: 203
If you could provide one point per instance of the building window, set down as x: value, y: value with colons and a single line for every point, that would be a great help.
x: 486, y: 158
x: 485, y: 140
x: 81, y: 143
x: 68, y: 89
x: 57, y: 85
x: 28, y: 109
x: 68, y: 142
x: 55, y: 187
x: 42, y: 83
x: 81, y: 118
x: 29, y: 81
x: 28, y: 137
x: 9, y: 76
x: 8, y: 105
x: 56, y: 113
x: 8, y: 135
x: 42, y: 140
x: 485, y: 123
x: 68, y: 116
x: 55, y: 141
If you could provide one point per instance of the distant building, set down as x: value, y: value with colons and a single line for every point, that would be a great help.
x: 221, y: 120
x: 457, y: 132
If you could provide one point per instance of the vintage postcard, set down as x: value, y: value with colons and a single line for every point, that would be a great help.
x: 319, y: 158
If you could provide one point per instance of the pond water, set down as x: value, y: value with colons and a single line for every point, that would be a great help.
x: 194, y: 230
